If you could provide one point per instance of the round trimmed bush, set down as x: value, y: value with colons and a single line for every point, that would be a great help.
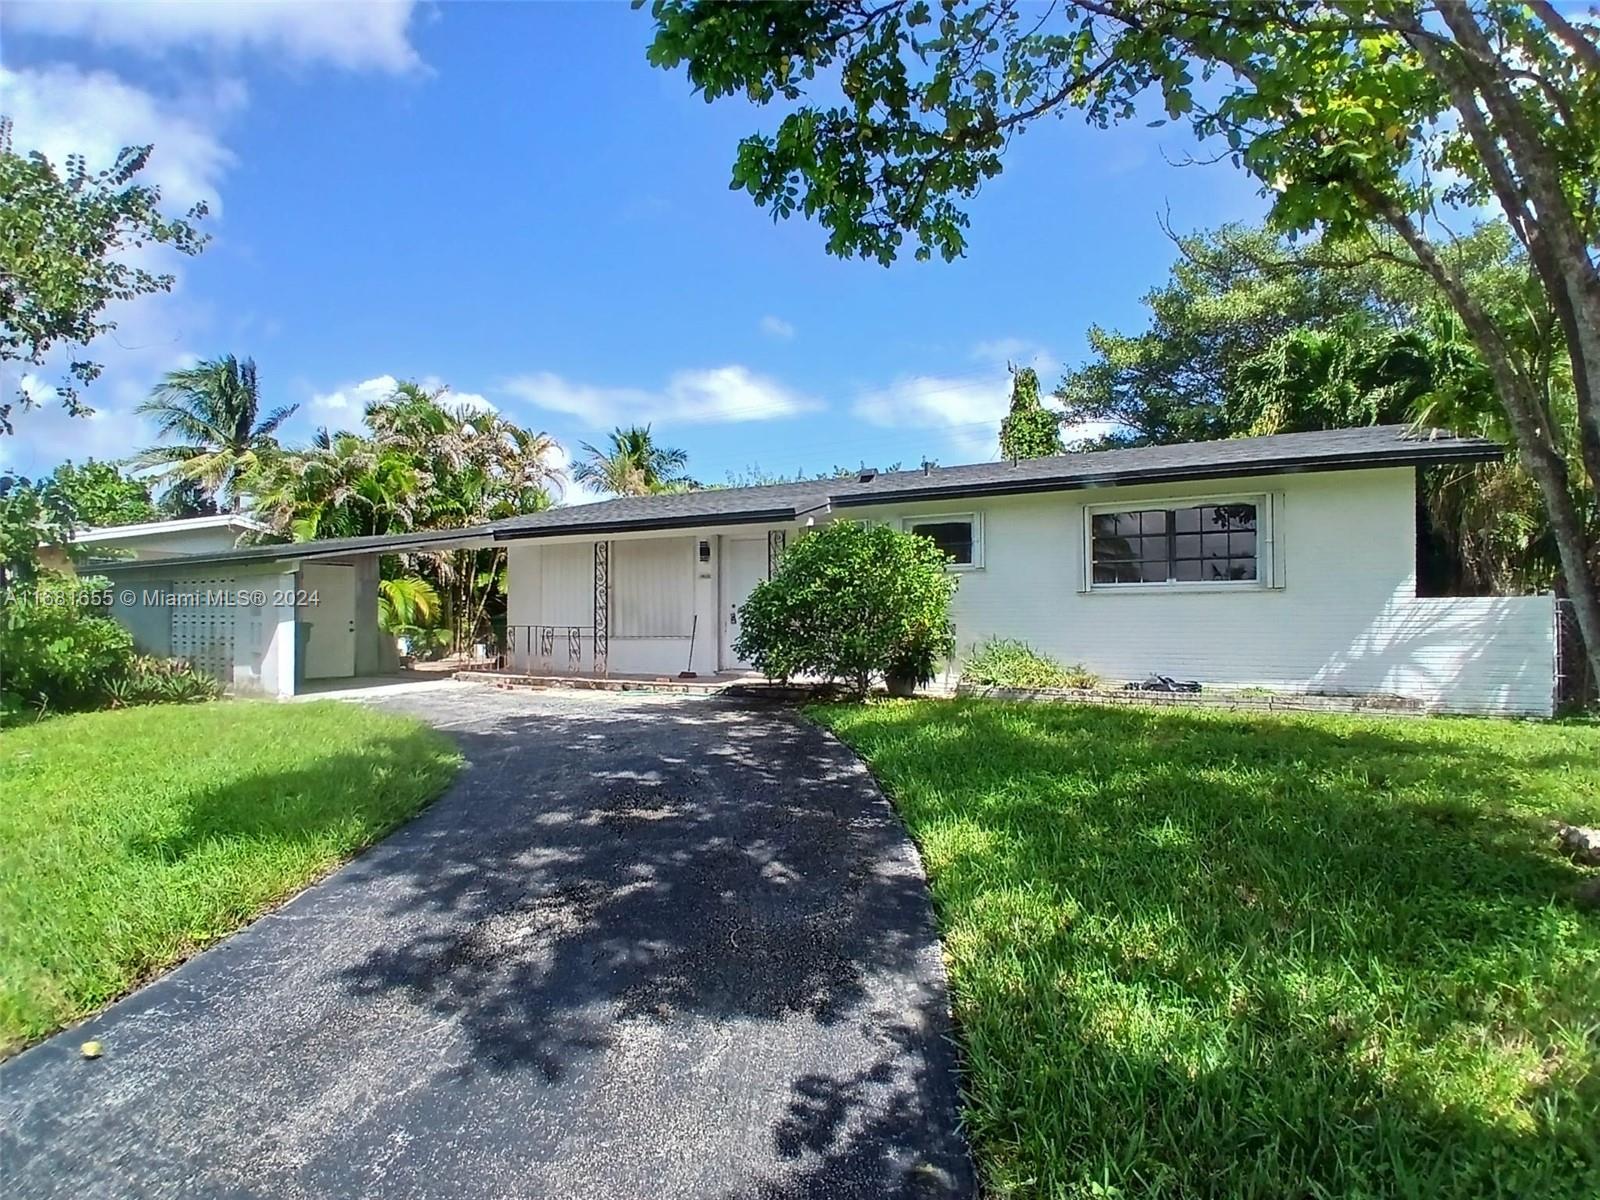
x: 849, y: 603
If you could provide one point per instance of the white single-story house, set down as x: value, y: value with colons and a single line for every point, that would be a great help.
x: 1286, y: 562
x: 158, y: 539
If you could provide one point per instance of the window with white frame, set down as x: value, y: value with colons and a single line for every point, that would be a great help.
x: 957, y: 534
x: 1197, y: 542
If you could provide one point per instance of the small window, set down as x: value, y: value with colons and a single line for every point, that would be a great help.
x: 956, y: 535
x: 1201, y: 543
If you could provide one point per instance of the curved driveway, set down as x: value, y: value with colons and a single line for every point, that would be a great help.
x: 644, y: 947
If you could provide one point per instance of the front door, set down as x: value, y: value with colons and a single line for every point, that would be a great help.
x: 744, y: 564
x: 331, y: 643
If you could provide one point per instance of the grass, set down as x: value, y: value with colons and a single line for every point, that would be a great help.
x: 130, y: 839
x: 1201, y: 954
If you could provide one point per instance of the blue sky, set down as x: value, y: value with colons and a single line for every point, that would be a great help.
x: 507, y: 199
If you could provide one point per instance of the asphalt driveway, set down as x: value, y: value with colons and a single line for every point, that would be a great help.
x: 645, y: 946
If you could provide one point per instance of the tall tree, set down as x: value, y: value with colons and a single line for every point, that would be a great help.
x: 63, y: 238
x: 100, y: 494
x: 210, y: 418
x: 633, y: 465
x: 1029, y: 430
x: 1353, y: 115
x: 422, y: 463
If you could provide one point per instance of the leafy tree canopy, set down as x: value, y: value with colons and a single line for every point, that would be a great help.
x: 212, y: 430
x: 632, y: 464
x: 1352, y: 116
x: 100, y: 494
x: 1029, y: 430
x: 64, y: 238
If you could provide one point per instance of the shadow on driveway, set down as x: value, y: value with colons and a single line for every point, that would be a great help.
x: 643, y: 947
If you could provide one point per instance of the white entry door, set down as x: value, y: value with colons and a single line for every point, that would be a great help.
x: 744, y: 564
x: 331, y: 644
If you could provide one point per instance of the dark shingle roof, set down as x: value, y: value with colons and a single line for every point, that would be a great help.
x: 1329, y: 450
x: 323, y: 548
x: 712, y: 506
x: 1283, y: 453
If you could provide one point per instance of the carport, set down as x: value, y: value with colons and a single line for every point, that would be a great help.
x: 269, y: 619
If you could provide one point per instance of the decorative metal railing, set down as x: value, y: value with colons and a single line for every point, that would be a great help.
x: 547, y: 648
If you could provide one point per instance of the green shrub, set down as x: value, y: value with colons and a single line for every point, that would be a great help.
x: 1007, y: 663
x: 848, y: 603
x: 59, y: 650
x: 161, y: 681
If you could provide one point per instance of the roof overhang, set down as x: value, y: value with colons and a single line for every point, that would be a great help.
x: 1368, y: 460
x: 764, y: 516
x: 423, y: 542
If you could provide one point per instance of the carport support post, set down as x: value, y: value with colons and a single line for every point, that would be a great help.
x: 602, y: 606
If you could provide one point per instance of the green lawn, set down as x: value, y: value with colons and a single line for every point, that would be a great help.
x: 130, y: 838
x: 1201, y: 954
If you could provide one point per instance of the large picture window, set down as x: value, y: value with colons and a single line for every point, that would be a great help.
x: 1199, y: 543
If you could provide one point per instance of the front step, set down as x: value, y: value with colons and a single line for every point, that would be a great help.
x: 636, y: 683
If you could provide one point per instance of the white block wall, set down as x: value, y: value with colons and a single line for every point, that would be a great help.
x: 1342, y: 615
x: 1345, y: 617
x: 660, y: 594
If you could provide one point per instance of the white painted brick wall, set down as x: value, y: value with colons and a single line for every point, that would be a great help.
x: 1347, y: 617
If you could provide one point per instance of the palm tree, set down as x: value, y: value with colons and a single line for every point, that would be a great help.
x: 208, y: 415
x: 634, y: 465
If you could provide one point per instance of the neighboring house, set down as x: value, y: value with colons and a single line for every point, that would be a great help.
x: 1285, y: 562
x: 156, y: 539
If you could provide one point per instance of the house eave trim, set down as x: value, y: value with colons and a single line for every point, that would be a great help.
x: 646, y: 524
x: 1068, y: 483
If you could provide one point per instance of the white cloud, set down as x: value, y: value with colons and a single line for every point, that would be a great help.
x: 60, y: 110
x: 572, y: 492
x: 353, y: 398
x: 371, y: 35
x: 965, y: 410
x: 46, y: 435
x: 777, y: 327
x: 714, y: 396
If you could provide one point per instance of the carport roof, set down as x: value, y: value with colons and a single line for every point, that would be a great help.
x: 396, y: 543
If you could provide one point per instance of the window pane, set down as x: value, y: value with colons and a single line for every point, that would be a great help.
x: 1233, y: 516
x: 1187, y: 570
x: 1109, y: 524
x: 1242, y: 545
x: 1116, y: 572
x: 1214, y: 545
x: 1153, y: 572
x: 1107, y: 549
x: 1186, y: 520
x: 1187, y: 545
x: 1153, y: 522
x: 953, y: 537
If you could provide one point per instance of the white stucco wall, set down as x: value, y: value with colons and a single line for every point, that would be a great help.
x: 551, y: 582
x: 1342, y: 616
x: 164, y: 543
x: 1340, y: 613
x: 263, y: 652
